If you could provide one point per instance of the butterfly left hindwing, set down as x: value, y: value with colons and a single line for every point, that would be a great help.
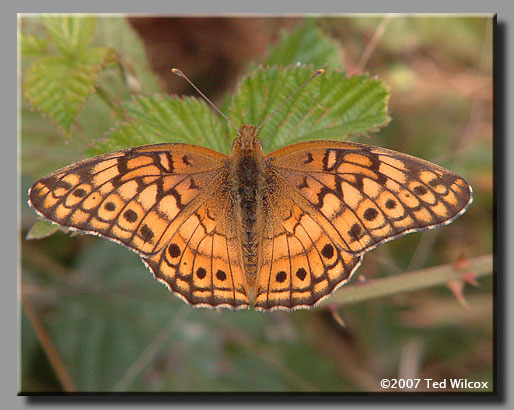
x: 202, y: 261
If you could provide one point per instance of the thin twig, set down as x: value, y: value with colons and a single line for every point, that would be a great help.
x: 409, y: 282
x: 379, y: 32
x: 106, y: 99
x: 151, y: 351
x: 48, y: 346
x: 263, y: 352
x: 423, y: 249
x: 353, y: 293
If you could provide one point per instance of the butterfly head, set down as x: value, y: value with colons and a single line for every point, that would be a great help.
x: 247, y: 139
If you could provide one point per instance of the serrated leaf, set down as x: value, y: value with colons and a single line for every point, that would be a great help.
x: 157, y: 119
x: 70, y: 34
x: 32, y: 45
x: 307, y: 44
x: 331, y: 106
x: 58, y: 86
x: 41, y: 229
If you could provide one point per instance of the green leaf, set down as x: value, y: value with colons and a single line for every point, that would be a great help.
x: 307, y: 44
x: 41, y: 229
x: 162, y: 118
x: 59, y: 87
x: 33, y: 46
x: 331, y: 106
x: 42, y: 147
x: 71, y: 35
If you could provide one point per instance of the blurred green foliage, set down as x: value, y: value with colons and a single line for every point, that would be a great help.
x: 306, y: 44
x: 59, y: 83
x: 118, y: 329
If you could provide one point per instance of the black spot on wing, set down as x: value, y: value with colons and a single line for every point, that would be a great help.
x: 370, y: 214
x: 146, y: 233
x: 130, y: 215
x: 221, y: 275
x: 79, y: 193
x: 328, y: 251
x: 281, y: 276
x: 355, y: 232
x: 420, y: 190
x: 110, y: 206
x: 174, y: 250
x: 201, y: 273
x: 301, y: 273
x: 390, y: 204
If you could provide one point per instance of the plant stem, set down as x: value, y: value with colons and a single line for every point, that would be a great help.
x: 49, y: 347
x: 409, y: 282
x: 151, y: 351
x: 105, y: 98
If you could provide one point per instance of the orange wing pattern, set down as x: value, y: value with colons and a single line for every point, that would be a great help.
x: 342, y: 200
x: 149, y: 199
x: 300, y: 262
x: 371, y: 195
x: 324, y: 204
x: 203, y: 259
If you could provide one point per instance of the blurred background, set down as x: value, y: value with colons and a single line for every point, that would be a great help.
x: 94, y: 319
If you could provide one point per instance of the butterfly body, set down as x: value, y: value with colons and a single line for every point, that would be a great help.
x: 290, y: 226
x: 249, y: 191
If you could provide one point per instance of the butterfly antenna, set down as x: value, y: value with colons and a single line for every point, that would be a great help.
x: 318, y: 72
x: 181, y: 74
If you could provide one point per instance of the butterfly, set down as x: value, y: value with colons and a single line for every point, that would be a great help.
x: 285, y: 229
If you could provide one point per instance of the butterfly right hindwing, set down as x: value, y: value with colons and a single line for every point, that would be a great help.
x: 301, y: 260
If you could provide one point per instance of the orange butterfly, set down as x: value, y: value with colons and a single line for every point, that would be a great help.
x: 291, y: 226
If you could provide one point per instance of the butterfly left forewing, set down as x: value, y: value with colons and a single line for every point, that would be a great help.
x: 370, y: 195
x: 131, y: 196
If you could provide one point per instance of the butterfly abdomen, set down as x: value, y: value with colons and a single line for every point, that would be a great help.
x: 247, y: 184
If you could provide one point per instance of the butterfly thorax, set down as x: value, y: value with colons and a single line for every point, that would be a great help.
x: 247, y: 139
x: 247, y: 187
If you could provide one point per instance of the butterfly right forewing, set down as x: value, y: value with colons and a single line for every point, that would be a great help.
x: 369, y: 194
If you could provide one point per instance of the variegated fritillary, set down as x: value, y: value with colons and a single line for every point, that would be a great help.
x: 292, y: 226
